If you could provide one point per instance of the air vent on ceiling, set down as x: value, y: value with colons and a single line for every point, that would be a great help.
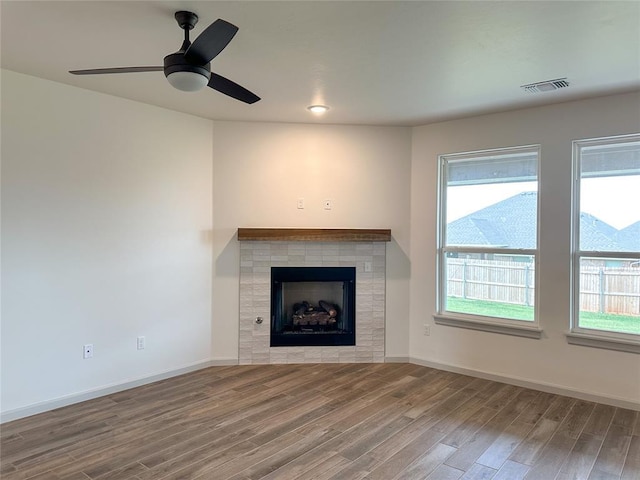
x: 546, y: 86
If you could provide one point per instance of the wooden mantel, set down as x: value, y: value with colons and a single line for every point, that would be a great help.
x: 314, y: 235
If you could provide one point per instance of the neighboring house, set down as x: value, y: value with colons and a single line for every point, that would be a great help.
x: 629, y: 237
x: 511, y: 223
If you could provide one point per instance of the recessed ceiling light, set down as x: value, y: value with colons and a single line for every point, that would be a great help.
x: 318, y: 109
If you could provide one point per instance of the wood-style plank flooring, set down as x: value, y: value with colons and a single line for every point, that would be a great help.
x: 329, y: 421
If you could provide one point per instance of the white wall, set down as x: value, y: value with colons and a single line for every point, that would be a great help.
x: 106, y: 235
x: 260, y: 170
x: 549, y: 361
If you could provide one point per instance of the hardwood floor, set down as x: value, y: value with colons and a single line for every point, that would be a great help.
x: 330, y: 421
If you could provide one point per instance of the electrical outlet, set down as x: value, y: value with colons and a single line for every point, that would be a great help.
x: 300, y: 204
x: 328, y: 204
x: 427, y: 330
x: 87, y: 351
x: 141, y: 343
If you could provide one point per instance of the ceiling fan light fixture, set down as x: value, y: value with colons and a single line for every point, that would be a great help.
x: 188, y: 81
x: 318, y: 109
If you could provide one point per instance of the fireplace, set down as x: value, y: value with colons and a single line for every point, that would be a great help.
x: 264, y: 249
x: 312, y: 306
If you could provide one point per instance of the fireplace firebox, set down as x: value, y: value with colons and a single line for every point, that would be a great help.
x: 313, y: 306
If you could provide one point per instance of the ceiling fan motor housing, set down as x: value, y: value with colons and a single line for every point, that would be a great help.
x: 176, y: 62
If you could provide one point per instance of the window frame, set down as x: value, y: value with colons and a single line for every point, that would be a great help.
x: 577, y: 335
x: 523, y: 328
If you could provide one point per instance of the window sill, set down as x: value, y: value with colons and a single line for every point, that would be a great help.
x: 599, y: 341
x: 488, y: 326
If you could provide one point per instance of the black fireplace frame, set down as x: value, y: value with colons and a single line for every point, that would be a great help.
x: 347, y: 275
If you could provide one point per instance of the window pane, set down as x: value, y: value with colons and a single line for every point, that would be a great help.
x: 610, y: 198
x: 610, y: 294
x: 492, y: 201
x: 490, y: 285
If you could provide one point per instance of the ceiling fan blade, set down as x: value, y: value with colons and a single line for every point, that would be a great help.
x: 210, y: 42
x: 101, y: 71
x: 232, y: 89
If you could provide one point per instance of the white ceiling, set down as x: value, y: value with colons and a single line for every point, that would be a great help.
x: 372, y: 62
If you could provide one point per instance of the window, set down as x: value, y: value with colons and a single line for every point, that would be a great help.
x: 606, y: 241
x: 487, y: 240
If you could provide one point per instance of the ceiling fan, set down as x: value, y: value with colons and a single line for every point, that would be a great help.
x: 189, y: 69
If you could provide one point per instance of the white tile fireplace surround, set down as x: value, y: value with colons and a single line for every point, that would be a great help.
x: 258, y: 256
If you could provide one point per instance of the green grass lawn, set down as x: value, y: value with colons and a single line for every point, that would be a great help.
x: 610, y: 322
x: 597, y: 321
x: 490, y: 309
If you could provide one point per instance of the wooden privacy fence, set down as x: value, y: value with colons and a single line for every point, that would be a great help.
x: 610, y: 290
x: 602, y: 289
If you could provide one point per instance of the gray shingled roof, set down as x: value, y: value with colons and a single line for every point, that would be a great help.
x: 511, y: 223
x: 629, y: 237
x: 596, y: 235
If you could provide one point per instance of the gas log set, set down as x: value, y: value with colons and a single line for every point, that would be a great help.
x: 323, y: 315
x: 300, y: 319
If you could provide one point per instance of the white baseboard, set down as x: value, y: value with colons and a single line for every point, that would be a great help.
x: 521, y: 382
x: 397, y: 359
x: 45, y: 406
